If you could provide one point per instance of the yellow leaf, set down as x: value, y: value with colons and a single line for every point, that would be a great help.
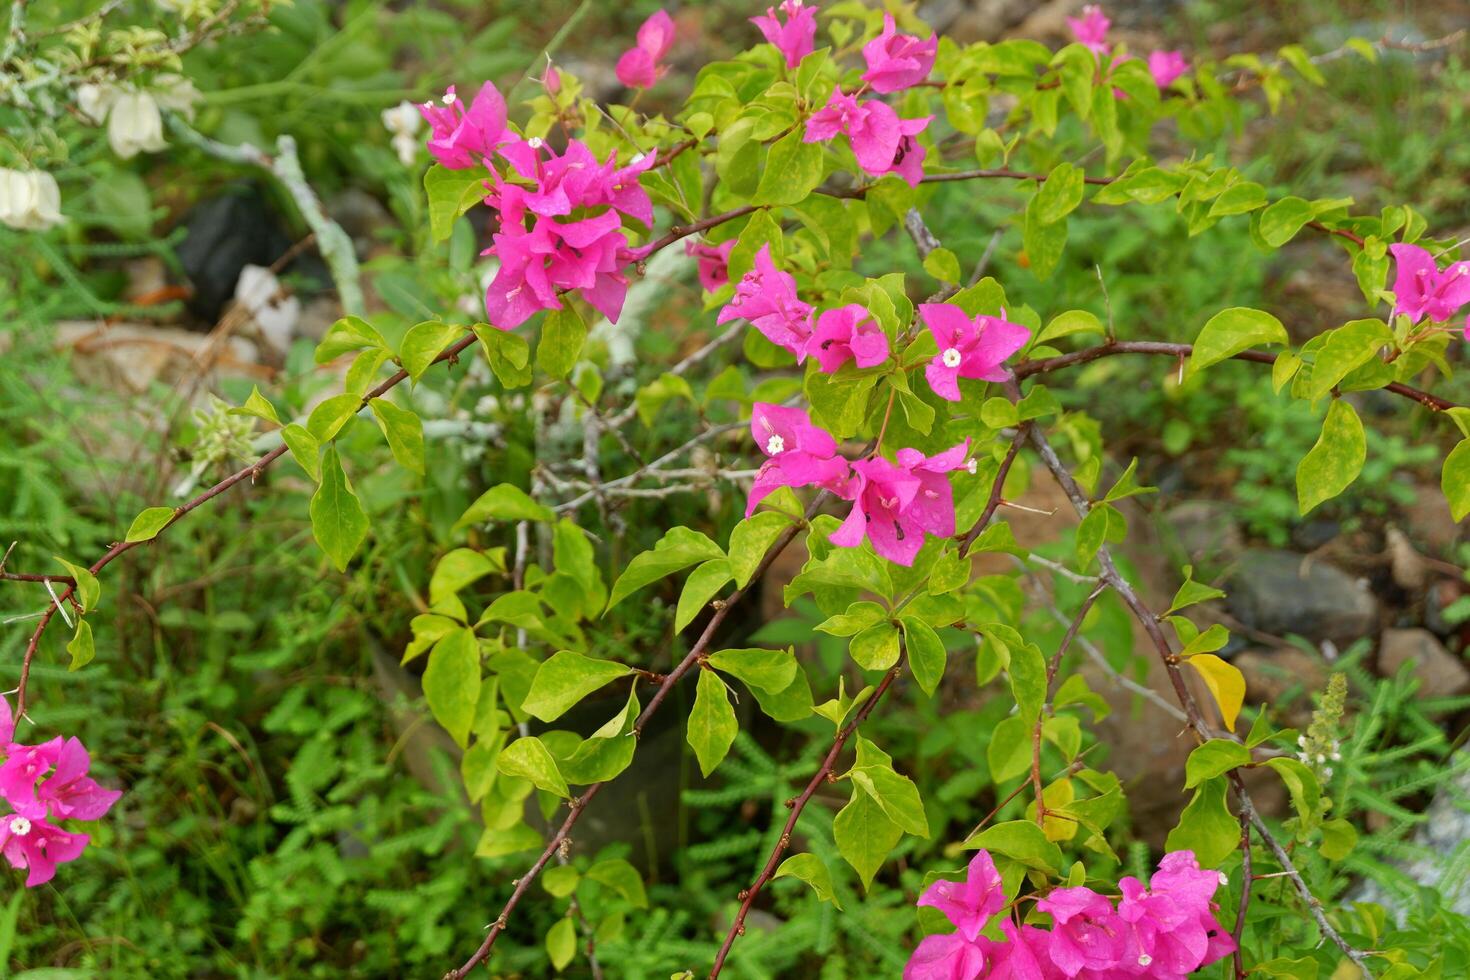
x: 1225, y: 682
x: 1057, y: 795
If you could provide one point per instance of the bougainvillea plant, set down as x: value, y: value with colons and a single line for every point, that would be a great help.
x: 884, y: 430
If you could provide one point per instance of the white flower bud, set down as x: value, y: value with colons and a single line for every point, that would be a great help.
x: 93, y: 101
x: 402, y: 118
x: 135, y: 125
x: 406, y: 145
x: 29, y: 200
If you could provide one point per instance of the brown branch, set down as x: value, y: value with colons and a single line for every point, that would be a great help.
x: 1046, y: 365
x: 27, y: 577
x: 1245, y: 892
x: 823, y: 773
x: 996, y: 489
x: 579, y: 805
x: 684, y: 231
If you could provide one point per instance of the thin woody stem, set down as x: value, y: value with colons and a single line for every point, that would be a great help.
x: 997, y: 489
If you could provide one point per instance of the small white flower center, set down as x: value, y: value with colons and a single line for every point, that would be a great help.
x: 776, y: 445
x: 973, y: 466
x: 20, y: 826
x: 449, y: 98
x: 535, y: 142
x: 951, y: 357
x: 1145, y: 960
x: 1224, y: 879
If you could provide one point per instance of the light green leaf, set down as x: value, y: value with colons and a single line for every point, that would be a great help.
x: 942, y: 264
x: 896, y: 793
x: 423, y: 343
x: 1068, y: 323
x: 1192, y: 592
x: 508, y: 353
x: 328, y: 418
x: 566, y: 678
x: 1019, y: 840
x: 1281, y: 221
x: 1335, y: 461
x: 1345, y: 349
x: 1455, y: 480
x: 561, y: 880
x: 562, y: 335
x: 81, y: 647
x: 348, y: 334
x: 1214, y: 758
x: 623, y: 878
x: 1044, y: 242
x: 750, y: 541
x: 712, y: 724
x: 257, y: 406
x: 812, y: 870
x: 1059, y: 194
x: 452, y: 683
x: 768, y: 670
x: 1338, y: 839
x: 1206, y: 827
x: 926, y: 653
x: 455, y: 570
x: 864, y: 835
x: 679, y: 548
x: 1027, y: 671
x: 146, y: 525
x: 504, y: 502
x: 875, y: 648
x: 858, y: 617
x: 305, y: 449
x: 1009, y: 751
x: 529, y: 758
x: 451, y: 193
x: 1231, y: 331
x: 606, y: 752
x: 703, y: 584
x: 561, y: 943
x: 793, y: 170
x: 1306, y: 792
x: 404, y: 432
x: 337, y: 518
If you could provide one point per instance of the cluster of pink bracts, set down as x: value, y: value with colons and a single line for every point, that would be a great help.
x: 44, y: 783
x: 1163, y: 931
x: 1422, y: 291
x: 1091, y: 31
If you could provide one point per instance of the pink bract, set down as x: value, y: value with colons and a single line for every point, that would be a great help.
x: 1165, y: 66
x: 38, y: 847
x: 460, y: 138
x: 898, y: 61
x: 639, y: 66
x: 1091, y: 29
x: 713, y: 261
x: 766, y: 297
x: 945, y: 956
x: 799, y: 453
x: 847, y: 333
x: 795, y: 38
x: 970, y: 903
x: 894, y: 504
x: 1420, y: 289
x: 968, y: 347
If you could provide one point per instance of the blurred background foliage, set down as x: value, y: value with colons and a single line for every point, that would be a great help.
x: 288, y: 812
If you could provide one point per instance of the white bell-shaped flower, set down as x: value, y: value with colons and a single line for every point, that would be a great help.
x: 29, y: 200
x: 135, y: 125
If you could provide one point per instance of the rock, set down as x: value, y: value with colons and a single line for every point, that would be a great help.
x: 133, y: 356
x: 1311, y: 535
x: 225, y: 234
x: 362, y: 216
x: 1206, y: 531
x: 1285, y: 679
x: 1428, y: 522
x: 1280, y: 592
x: 1441, y: 674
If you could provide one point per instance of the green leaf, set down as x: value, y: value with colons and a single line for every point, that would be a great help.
x: 1019, y: 840
x: 337, y: 518
x: 793, y: 170
x: 1206, y: 827
x: 1306, y: 792
x: 562, y: 335
x: 606, y: 752
x: 896, y: 793
x: 1344, y: 350
x: 942, y: 264
x: 1009, y: 751
x: 529, y: 758
x: 1338, y: 839
x: 305, y: 449
x: 1059, y: 194
x: 1335, y: 461
x: 561, y: 880
x: 875, y: 648
x: 712, y: 725
x: 926, y: 653
x: 1043, y: 241
x: 330, y: 415
x: 423, y: 343
x: 1068, y: 323
x: 81, y: 647
x: 508, y: 353
x: 566, y: 678
x: 451, y: 193
x: 864, y: 835
x: 812, y: 870
x: 1238, y: 199
x: 457, y: 569
x: 452, y: 683
x: 1226, y: 684
x: 1192, y: 592
x: 679, y: 548
x: 858, y: 617
x: 404, y: 432
x: 257, y: 406
x: 1214, y: 758
x: 561, y: 943
x: 703, y: 584
x: 768, y: 670
x: 622, y: 878
x: 1231, y: 331
x: 504, y: 502
x: 1281, y: 221
x: 750, y: 541
x: 573, y: 554
x: 1455, y: 480
x: 1027, y: 671
x: 348, y: 334
x: 145, y: 526
x: 1127, y: 486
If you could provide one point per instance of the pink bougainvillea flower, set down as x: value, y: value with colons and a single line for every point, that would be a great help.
x: 908, y: 156
x: 1086, y: 935
x: 932, y: 509
x: 639, y: 66
x: 1091, y: 29
x: 1165, y: 66
x: 38, y: 847
x: 847, y: 333
x: 968, y: 348
x: 69, y: 792
x: 799, y: 454
x: 714, y: 262
x: 874, y: 130
x: 1420, y: 289
x: 971, y: 903
x: 1022, y: 956
x: 766, y: 297
x: 460, y: 138
x: 841, y: 114
x: 882, y: 493
x: 897, y: 61
x: 945, y: 956
x: 23, y: 767
x: 795, y: 38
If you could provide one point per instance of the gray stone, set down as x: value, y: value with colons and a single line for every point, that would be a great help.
x: 1441, y: 674
x: 1206, y: 531
x: 1281, y: 592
